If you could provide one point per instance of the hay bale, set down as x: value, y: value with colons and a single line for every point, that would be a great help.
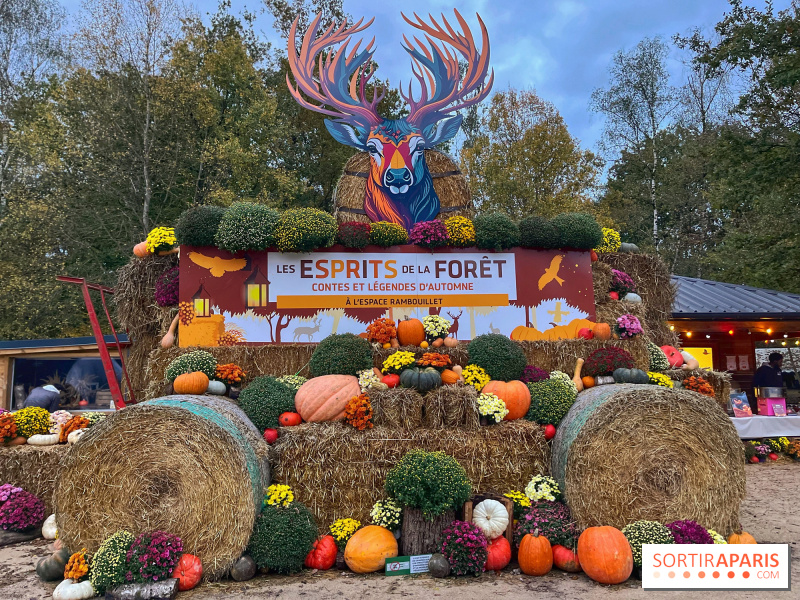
x: 33, y: 468
x: 398, y: 407
x: 452, y: 406
x: 630, y: 452
x: 721, y: 382
x: 601, y: 279
x: 448, y: 182
x: 340, y: 472
x: 187, y: 465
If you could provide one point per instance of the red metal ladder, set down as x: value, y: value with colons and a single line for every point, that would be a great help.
x: 105, y: 357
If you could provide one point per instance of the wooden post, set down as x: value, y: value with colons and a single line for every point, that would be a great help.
x: 420, y: 535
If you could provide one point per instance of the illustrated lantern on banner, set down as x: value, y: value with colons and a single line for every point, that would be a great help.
x: 399, y: 186
x: 257, y: 289
x: 202, y: 302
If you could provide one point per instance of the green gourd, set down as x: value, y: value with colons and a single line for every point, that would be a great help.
x: 423, y: 380
x: 631, y: 376
x: 51, y: 568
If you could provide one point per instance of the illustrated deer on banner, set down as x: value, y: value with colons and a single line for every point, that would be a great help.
x: 399, y: 185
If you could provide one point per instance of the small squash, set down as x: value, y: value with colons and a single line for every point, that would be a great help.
x: 49, y: 529
x: 535, y: 555
x: 76, y: 435
x: 290, y: 419
x: 576, y: 378
x: 602, y: 331
x: 368, y: 548
x: 410, y: 332
x: 450, y: 342
x: 603, y: 380
x: 386, y: 345
x: 325, y: 398
x: 394, y: 343
x: 515, y: 394
x: 449, y: 377
x: 741, y: 537
x: 140, y: 250
x: 633, y: 298
x: 423, y: 344
x: 690, y: 363
x: 424, y: 379
x: 491, y: 517
x: 70, y: 590
x: 438, y: 343
x: 438, y: 565
x: 43, y: 439
x: 191, y: 383
x: 392, y: 380
x: 51, y: 568
x: 498, y: 554
x: 270, y: 435
x: 588, y: 382
x: 217, y: 388
x: 631, y: 376
x: 565, y: 559
x: 188, y: 572
x: 322, y: 555
x: 674, y: 357
x: 243, y: 569
x: 605, y: 555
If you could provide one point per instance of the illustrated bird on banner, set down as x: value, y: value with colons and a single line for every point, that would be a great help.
x: 218, y: 266
x: 551, y: 273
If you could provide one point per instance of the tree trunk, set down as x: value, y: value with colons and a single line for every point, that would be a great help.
x: 421, y: 536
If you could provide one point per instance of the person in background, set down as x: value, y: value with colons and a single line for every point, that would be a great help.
x: 770, y: 374
x: 51, y: 396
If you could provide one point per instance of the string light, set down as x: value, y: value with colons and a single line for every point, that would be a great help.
x: 708, y: 337
x: 672, y: 327
x: 730, y: 332
x: 786, y: 335
x: 769, y: 331
x: 783, y: 343
x: 688, y: 334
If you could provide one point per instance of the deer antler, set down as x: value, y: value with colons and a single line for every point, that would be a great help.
x: 342, y: 76
x: 439, y: 68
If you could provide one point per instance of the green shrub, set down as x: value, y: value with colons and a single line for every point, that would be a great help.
x: 578, y: 230
x: 109, y: 563
x: 341, y: 354
x: 645, y: 532
x: 495, y: 231
x: 387, y: 234
x: 430, y: 481
x: 247, y: 226
x: 658, y: 360
x: 502, y: 358
x: 551, y: 400
x: 264, y: 400
x: 304, y: 230
x: 198, y: 360
x: 538, y: 232
x: 282, y: 537
x: 198, y: 225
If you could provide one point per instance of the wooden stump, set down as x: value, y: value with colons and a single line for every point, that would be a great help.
x: 421, y: 536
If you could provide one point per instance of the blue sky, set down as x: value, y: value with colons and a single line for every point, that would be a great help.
x: 562, y: 48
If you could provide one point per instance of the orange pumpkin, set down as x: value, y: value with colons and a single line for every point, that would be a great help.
x: 566, y: 560
x: 450, y: 342
x: 325, y: 398
x: 449, y: 377
x: 515, y: 394
x: 498, y: 554
x: 561, y: 332
x: 588, y: 382
x: 605, y: 554
x: 190, y: 383
x: 410, y: 332
x: 602, y: 331
x: 741, y: 537
x: 140, y: 250
x: 535, y: 555
x: 367, y: 550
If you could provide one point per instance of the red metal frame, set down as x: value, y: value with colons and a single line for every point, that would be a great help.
x: 108, y: 367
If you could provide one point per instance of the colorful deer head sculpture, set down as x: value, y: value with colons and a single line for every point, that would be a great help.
x: 399, y: 185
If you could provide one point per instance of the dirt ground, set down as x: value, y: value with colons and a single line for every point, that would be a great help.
x: 770, y: 512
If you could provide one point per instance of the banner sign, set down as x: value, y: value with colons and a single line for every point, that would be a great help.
x: 272, y: 297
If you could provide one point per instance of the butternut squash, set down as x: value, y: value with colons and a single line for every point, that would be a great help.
x: 576, y: 378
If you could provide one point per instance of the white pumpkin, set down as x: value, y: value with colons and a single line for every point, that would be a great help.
x: 75, y: 435
x: 690, y: 363
x: 43, y: 439
x: 49, y: 528
x: 69, y: 590
x: 492, y: 518
x: 633, y: 298
x: 217, y: 388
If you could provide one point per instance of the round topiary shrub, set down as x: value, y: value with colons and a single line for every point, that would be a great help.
x: 496, y: 231
x: 605, y: 361
x: 645, y: 532
x: 247, y: 226
x: 109, y: 563
x: 387, y: 234
x: 502, y: 358
x: 538, y: 232
x: 578, y: 230
x: 353, y: 234
x: 264, y: 400
x: 198, y: 225
x: 304, y: 230
x: 551, y: 400
x: 433, y: 482
x: 282, y: 537
x: 341, y: 354
x: 198, y: 360
x: 658, y: 360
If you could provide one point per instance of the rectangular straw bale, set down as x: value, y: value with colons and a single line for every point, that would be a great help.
x: 398, y: 407
x: 33, y: 468
x: 721, y: 382
x: 452, y: 406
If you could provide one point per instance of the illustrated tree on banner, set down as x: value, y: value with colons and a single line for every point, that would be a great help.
x: 399, y: 186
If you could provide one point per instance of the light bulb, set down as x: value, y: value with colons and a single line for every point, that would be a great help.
x: 708, y: 337
x: 769, y: 331
x: 730, y: 332
x: 688, y: 334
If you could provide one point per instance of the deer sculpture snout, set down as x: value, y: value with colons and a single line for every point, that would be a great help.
x: 398, y: 180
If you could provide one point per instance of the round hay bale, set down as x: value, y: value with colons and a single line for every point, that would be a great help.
x: 193, y: 466
x: 448, y: 181
x: 630, y: 452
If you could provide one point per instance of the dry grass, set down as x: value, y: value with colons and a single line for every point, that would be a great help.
x: 630, y: 452
x: 340, y: 472
x: 398, y: 407
x: 33, y: 468
x: 452, y: 406
x: 452, y: 189
x: 721, y: 382
x: 158, y: 467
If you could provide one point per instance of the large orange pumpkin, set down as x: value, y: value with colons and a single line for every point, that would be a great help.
x: 561, y: 332
x: 498, y: 554
x: 140, y: 250
x: 566, y: 560
x: 741, y: 537
x: 605, y: 554
x: 535, y: 555
x: 367, y: 550
x: 190, y: 383
x: 515, y: 394
x: 325, y: 398
x: 410, y: 332
x: 602, y: 331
